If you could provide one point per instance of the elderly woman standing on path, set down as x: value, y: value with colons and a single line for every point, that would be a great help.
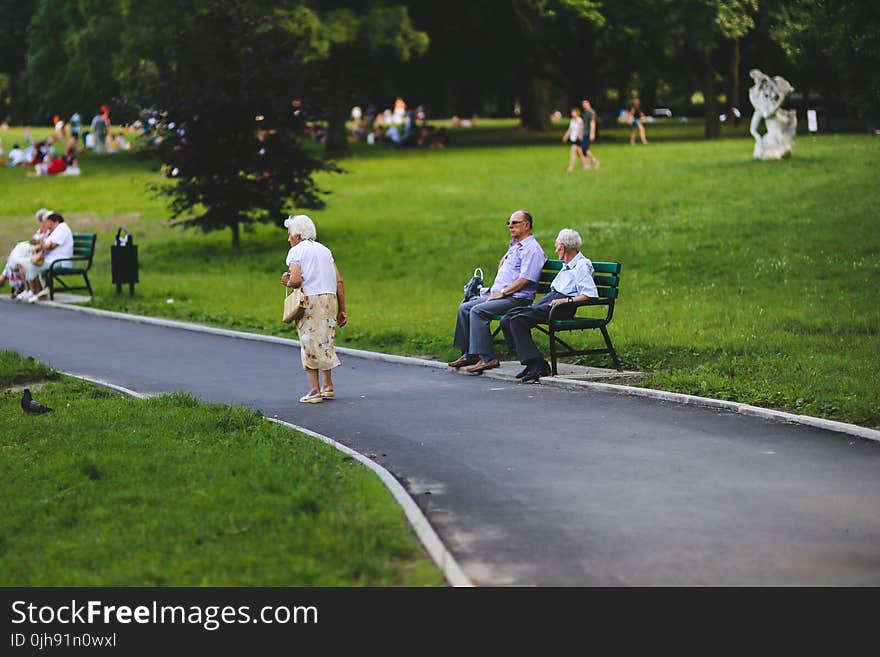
x: 312, y: 268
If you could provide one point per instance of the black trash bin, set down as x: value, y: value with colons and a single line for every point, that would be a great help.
x: 124, y: 261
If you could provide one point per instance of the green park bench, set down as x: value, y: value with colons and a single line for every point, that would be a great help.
x: 607, y: 278
x: 78, y: 265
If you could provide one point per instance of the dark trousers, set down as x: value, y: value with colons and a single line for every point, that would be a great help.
x: 472, y: 332
x: 518, y: 323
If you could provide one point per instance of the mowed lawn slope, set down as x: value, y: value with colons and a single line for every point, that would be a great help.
x: 112, y: 491
x: 743, y: 280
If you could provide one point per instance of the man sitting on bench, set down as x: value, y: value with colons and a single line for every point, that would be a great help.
x: 574, y: 282
x: 515, y: 285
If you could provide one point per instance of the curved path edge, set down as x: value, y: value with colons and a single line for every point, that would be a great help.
x: 680, y: 398
x: 444, y: 560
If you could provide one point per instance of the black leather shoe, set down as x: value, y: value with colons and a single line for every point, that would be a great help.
x: 536, y: 371
x: 532, y: 372
x: 524, y: 372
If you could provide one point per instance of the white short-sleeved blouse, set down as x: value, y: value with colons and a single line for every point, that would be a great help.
x: 318, y: 268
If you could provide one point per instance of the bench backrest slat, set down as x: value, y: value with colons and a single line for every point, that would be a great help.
x: 84, y: 244
x: 606, y: 276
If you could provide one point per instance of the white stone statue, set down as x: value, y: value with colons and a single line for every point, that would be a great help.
x: 781, y: 125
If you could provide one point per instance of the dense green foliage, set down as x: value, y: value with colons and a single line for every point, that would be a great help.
x: 754, y: 281
x: 227, y: 131
x: 60, y: 56
x: 112, y: 491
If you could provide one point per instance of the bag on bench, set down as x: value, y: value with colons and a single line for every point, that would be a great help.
x: 472, y: 288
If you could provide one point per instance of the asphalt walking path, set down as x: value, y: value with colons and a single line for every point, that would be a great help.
x: 532, y: 484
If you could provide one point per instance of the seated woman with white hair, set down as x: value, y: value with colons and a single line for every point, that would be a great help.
x: 20, y: 256
x: 311, y: 267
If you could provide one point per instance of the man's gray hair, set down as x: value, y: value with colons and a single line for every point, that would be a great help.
x: 302, y: 225
x: 569, y: 239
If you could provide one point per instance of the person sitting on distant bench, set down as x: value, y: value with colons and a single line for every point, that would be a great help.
x: 573, y: 283
x: 20, y: 255
x: 57, y: 245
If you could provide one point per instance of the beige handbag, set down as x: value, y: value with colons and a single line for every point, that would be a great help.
x: 294, y: 304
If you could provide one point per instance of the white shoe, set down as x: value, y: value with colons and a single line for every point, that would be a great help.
x: 33, y: 298
x: 24, y: 296
x: 42, y: 294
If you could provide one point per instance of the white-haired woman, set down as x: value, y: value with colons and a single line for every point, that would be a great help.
x: 20, y: 256
x: 311, y: 267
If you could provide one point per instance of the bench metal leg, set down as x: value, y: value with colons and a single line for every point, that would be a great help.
x: 611, y: 348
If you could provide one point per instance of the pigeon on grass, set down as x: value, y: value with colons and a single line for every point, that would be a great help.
x: 32, y: 407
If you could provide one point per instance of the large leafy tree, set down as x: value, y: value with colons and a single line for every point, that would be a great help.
x: 696, y: 33
x: 486, y: 54
x: 542, y: 41
x: 72, y: 47
x: 222, y: 75
x: 683, y: 45
x: 15, y: 16
x: 835, y: 44
x: 349, y: 43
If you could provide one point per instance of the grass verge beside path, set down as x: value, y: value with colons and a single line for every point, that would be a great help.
x: 113, y: 491
x: 748, y: 281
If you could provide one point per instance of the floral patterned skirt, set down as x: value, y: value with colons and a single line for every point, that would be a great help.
x: 317, y: 331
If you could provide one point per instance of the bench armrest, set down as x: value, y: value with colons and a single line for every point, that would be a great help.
x: 578, y: 304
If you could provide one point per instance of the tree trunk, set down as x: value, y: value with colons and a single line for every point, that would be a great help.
x: 710, y: 97
x: 648, y: 95
x: 733, y: 93
x: 236, y: 237
x: 536, y: 104
x: 337, y: 137
x: 337, y: 112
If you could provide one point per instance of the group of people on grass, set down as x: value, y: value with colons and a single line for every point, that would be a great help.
x: 29, y: 261
x: 99, y: 137
x: 45, y: 158
x: 402, y: 128
x: 58, y: 153
x: 310, y: 266
x: 581, y: 132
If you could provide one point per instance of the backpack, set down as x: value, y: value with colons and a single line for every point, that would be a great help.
x: 472, y: 287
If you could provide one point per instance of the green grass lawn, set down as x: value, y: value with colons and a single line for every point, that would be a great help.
x: 742, y: 280
x: 112, y: 491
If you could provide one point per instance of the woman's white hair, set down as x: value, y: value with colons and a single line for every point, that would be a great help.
x: 42, y: 213
x: 569, y: 239
x: 302, y: 225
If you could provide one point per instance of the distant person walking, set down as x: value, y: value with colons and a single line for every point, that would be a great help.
x: 573, y: 135
x: 311, y: 267
x: 99, y: 132
x: 636, y: 118
x: 75, y: 125
x: 589, y: 117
